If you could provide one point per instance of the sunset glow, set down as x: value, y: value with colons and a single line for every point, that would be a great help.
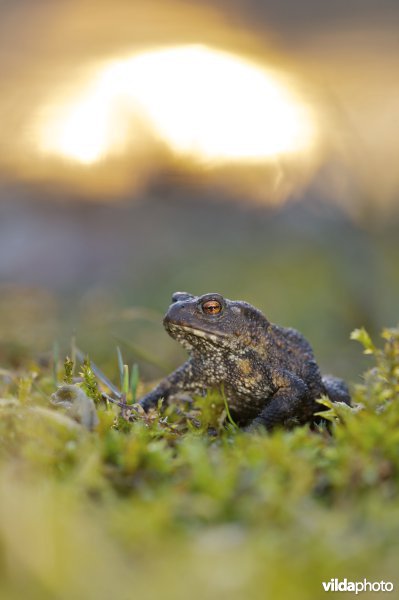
x: 201, y: 103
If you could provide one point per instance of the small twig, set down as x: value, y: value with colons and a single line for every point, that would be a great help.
x: 109, y: 398
x: 98, y: 373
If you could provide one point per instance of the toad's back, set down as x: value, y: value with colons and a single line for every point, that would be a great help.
x: 288, y: 349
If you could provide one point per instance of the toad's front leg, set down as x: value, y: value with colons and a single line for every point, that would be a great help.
x: 289, y: 404
x: 186, y: 378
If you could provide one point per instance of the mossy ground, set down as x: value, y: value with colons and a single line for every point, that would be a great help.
x: 179, y: 505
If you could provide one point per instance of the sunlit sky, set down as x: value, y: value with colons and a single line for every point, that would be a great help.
x: 201, y: 102
x: 101, y: 97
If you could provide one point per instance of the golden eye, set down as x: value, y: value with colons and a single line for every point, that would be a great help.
x: 212, y: 307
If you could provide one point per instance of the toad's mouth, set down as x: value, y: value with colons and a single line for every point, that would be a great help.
x: 190, y: 333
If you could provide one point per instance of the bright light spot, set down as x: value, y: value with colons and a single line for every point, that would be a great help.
x: 204, y: 103
x: 83, y: 134
x: 85, y: 128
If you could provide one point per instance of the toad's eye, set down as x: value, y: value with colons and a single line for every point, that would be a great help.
x: 211, y: 307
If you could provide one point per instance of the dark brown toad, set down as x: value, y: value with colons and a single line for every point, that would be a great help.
x: 268, y: 372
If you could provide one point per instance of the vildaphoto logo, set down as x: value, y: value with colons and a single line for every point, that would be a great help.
x: 335, y: 585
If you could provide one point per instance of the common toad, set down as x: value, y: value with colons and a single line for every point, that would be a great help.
x: 268, y: 372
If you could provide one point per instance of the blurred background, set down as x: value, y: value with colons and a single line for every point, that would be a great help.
x: 248, y: 148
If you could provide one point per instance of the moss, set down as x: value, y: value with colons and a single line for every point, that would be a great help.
x: 176, y: 504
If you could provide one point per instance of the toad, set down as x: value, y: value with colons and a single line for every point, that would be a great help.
x: 269, y: 374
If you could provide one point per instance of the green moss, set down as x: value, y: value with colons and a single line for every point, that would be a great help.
x: 176, y: 504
